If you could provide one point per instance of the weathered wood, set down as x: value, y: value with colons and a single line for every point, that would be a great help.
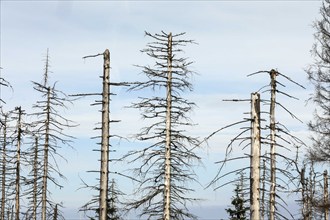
x: 263, y: 181
x: 35, y: 181
x: 167, y: 193
x: 4, y: 165
x: 18, y: 163
x: 46, y: 154
x: 272, y: 195
x: 255, y: 157
x: 105, y: 137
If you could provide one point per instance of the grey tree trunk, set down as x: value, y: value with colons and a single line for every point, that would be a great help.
x: 255, y: 157
x: 273, y: 75
x: 105, y: 137
x: 263, y: 181
x: 18, y: 163
x: 326, y: 195
x: 167, y: 193
x: 167, y: 163
x: 46, y: 151
x: 4, y: 164
x: 35, y: 177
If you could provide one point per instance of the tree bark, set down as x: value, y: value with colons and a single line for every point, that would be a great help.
x: 18, y: 163
x: 167, y: 193
x: 105, y: 137
x: 35, y: 180
x: 46, y: 151
x: 273, y: 75
x: 4, y: 163
x: 255, y: 157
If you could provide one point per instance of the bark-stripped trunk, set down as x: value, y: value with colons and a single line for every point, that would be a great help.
x: 46, y: 151
x: 18, y: 164
x: 105, y: 137
x: 273, y: 75
x: 4, y: 163
x: 167, y: 193
x: 35, y: 177
x: 255, y: 157
x: 326, y: 195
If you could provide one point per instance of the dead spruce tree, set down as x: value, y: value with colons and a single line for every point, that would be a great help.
x: 4, y: 161
x: 7, y: 167
x: 319, y: 76
x: 34, y: 178
x: 244, y: 140
x: 17, y: 140
x: 313, y: 187
x: 102, y: 204
x: 49, y: 126
x: 274, y: 135
x: 14, y: 158
x: 168, y: 160
x: 279, y: 137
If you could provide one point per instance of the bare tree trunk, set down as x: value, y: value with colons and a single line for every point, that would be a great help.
x: 311, y: 192
x: 262, y: 211
x: 18, y: 164
x: 167, y: 193
x: 255, y: 157
x: 35, y: 177
x: 105, y: 137
x: 326, y: 195
x: 4, y: 163
x: 303, y: 195
x: 273, y: 75
x: 46, y: 151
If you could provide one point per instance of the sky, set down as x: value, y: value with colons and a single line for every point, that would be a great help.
x: 234, y: 39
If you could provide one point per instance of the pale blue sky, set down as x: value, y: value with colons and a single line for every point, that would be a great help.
x: 234, y: 38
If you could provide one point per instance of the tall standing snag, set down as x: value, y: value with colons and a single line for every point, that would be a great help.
x: 18, y: 162
x: 49, y: 127
x: 104, y: 179
x: 4, y: 160
x: 255, y: 157
x: 279, y: 137
x: 101, y: 204
x: 167, y: 162
x: 167, y: 192
x: 272, y: 127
